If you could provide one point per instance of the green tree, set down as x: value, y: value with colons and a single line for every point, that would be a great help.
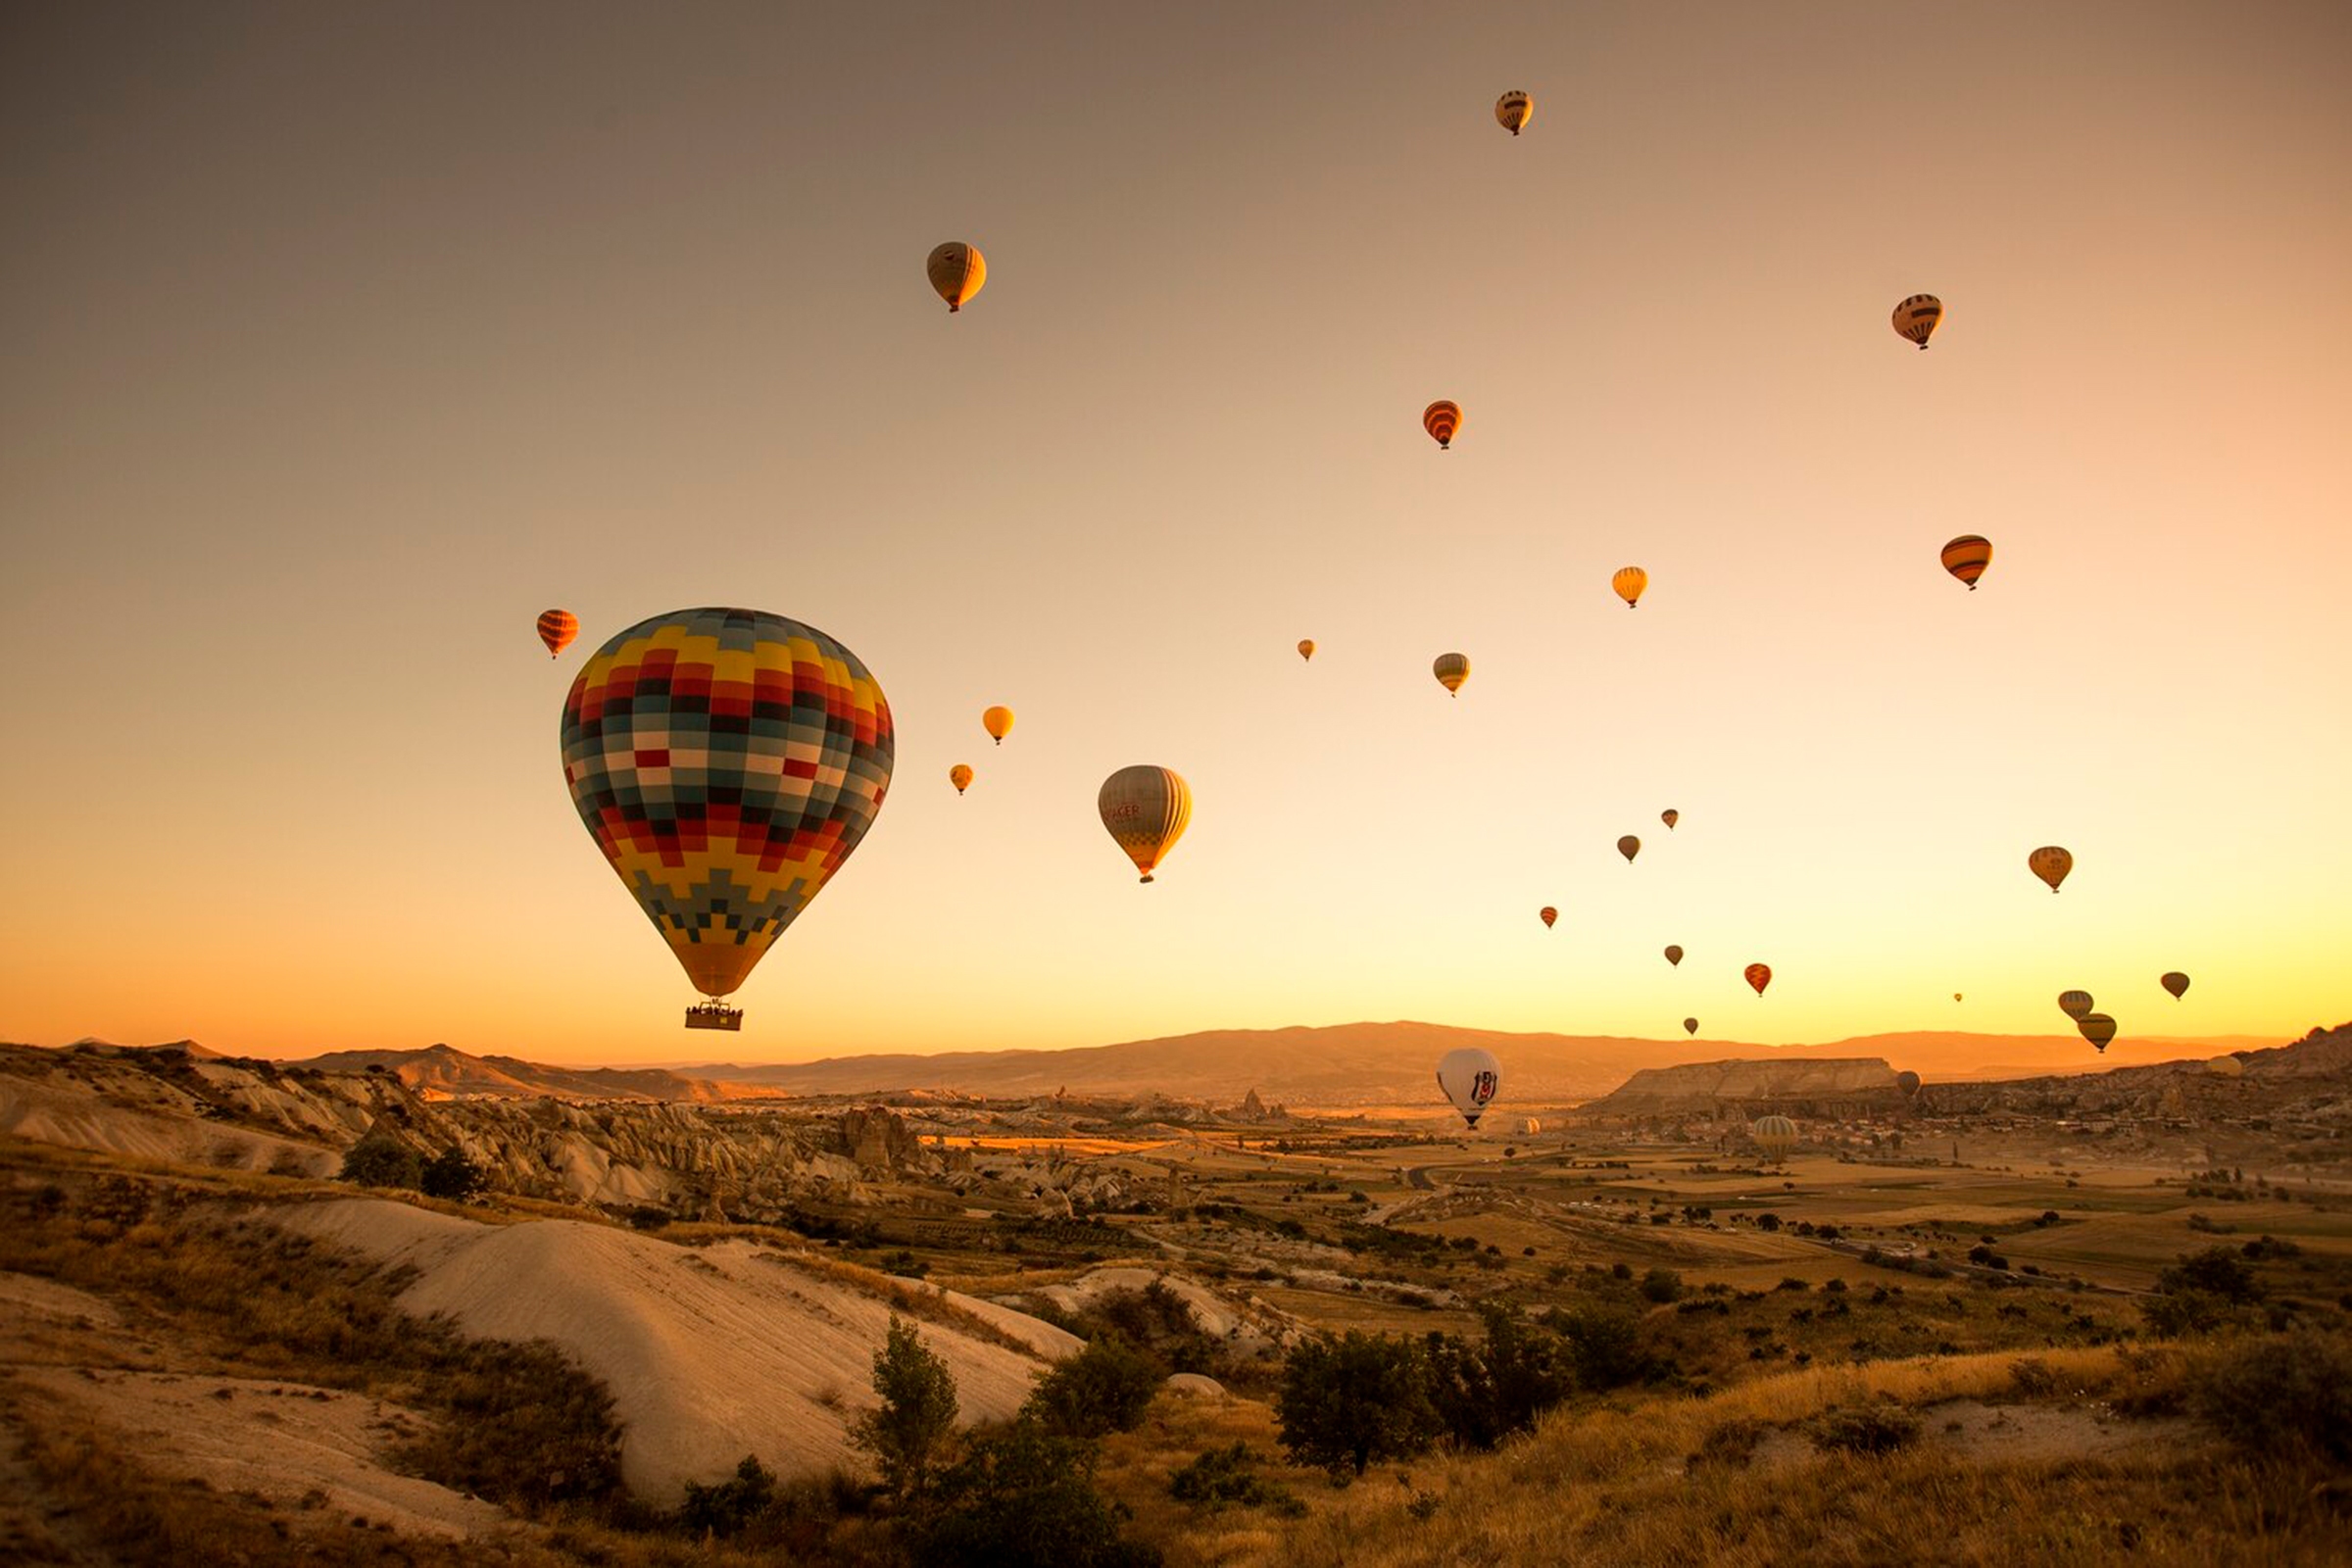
x: 1345, y: 1402
x: 908, y: 1434
x: 380, y: 1160
x: 1485, y: 1393
x: 450, y: 1174
x: 1022, y: 1498
x: 1103, y: 1388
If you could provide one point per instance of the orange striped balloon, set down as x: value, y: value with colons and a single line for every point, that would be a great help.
x: 1916, y: 319
x: 556, y: 630
x: 1967, y: 557
x: 1548, y: 915
x: 1513, y: 109
x: 1442, y: 420
x: 1759, y: 975
x: 1628, y: 584
x: 1452, y: 669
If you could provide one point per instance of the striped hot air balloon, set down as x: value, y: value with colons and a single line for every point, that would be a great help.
x: 1548, y: 915
x: 1442, y: 420
x: 2074, y: 1003
x: 1146, y: 810
x: 960, y: 776
x: 1628, y: 584
x: 1513, y: 109
x: 1916, y: 319
x: 1967, y: 557
x: 1452, y: 669
x: 1759, y: 975
x: 556, y: 630
x: 1774, y: 1134
x: 2098, y: 1028
x: 957, y: 271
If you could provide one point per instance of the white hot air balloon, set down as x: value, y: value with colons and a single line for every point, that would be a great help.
x: 1469, y: 1077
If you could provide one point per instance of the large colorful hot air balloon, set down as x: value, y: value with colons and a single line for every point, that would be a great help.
x: 1146, y: 809
x: 2226, y: 1068
x: 1306, y: 648
x: 1452, y: 669
x: 960, y: 776
x: 1690, y: 1026
x: 998, y: 721
x: 1967, y: 557
x: 1469, y: 1077
x: 1548, y: 915
x: 1916, y: 319
x: 556, y: 630
x: 1674, y: 955
x: 2176, y: 982
x: 727, y: 761
x: 1442, y: 420
x: 1513, y: 109
x: 1759, y: 975
x: 2050, y: 864
x: 2074, y: 1003
x: 1629, y: 847
x: 1670, y: 817
x: 1629, y: 582
x: 1774, y: 1134
x: 2098, y: 1028
x: 957, y: 271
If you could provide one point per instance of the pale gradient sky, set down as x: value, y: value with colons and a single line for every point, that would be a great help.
x: 341, y: 340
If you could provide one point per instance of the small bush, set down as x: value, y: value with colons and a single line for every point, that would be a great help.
x: 1870, y: 1428
x: 1732, y: 1444
x: 725, y: 1509
x: 1022, y: 1498
x: 1103, y: 1388
x: 1663, y: 1285
x: 375, y: 1161
x: 1222, y: 1478
x: 2279, y: 1394
x: 450, y: 1175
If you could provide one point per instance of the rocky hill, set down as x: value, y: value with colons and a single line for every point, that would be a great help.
x: 1800, y: 1088
x: 439, y: 1072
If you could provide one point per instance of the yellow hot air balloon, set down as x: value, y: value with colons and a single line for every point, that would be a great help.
x: 1670, y: 817
x: 1967, y: 557
x: 1955, y: 996
x: 1145, y: 809
x: 2050, y: 864
x: 2098, y: 1028
x: 1759, y: 975
x: 2074, y: 1003
x: 1628, y: 584
x: 2176, y: 982
x: 1548, y: 915
x: 1674, y: 955
x: 1452, y: 669
x: 1442, y: 420
x: 960, y: 776
x: 1629, y: 847
x: 556, y: 630
x: 1776, y: 1136
x: 1306, y: 648
x: 1916, y: 319
x: 998, y: 721
x: 1513, y: 109
x: 957, y: 271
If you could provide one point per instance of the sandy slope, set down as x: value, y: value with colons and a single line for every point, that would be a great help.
x: 78, y: 1118
x: 711, y: 1352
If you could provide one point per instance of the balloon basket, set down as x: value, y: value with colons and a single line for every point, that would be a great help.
x: 714, y: 1015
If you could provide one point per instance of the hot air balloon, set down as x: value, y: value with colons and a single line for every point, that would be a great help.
x: 1907, y: 1082
x: 727, y: 761
x: 1674, y: 956
x: 2176, y: 982
x: 2050, y: 864
x: 1306, y: 648
x: 1690, y: 1026
x: 1629, y: 847
x: 1548, y: 915
x: 960, y: 776
x: 1146, y: 809
x: 1759, y: 975
x: 1629, y: 582
x: 1442, y: 420
x: 1513, y: 109
x: 1955, y: 996
x: 998, y: 721
x: 1469, y: 1077
x: 2074, y: 1003
x: 1774, y: 1134
x: 2098, y: 1028
x: 2226, y: 1068
x: 1670, y: 817
x: 556, y: 630
x: 1967, y: 557
x: 1452, y: 669
x: 957, y: 271
x: 1916, y: 319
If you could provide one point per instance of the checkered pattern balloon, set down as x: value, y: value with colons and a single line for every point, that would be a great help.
x: 726, y: 761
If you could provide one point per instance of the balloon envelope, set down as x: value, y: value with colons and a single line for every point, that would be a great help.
x: 1629, y: 847
x: 1146, y: 810
x: 1759, y: 975
x: 1690, y: 1026
x: 1917, y: 318
x: 1674, y: 955
x: 1774, y: 1134
x: 1548, y: 915
x: 2098, y: 1028
x: 2227, y: 1067
x: 1306, y: 648
x: 1443, y: 419
x: 1513, y: 109
x: 1469, y: 1078
x: 998, y: 721
x: 726, y: 761
x: 2177, y: 983
x: 1967, y: 557
x: 2050, y: 864
x: 2074, y: 1003
x: 957, y: 271
x: 1629, y: 582
x: 1907, y: 1082
x: 1452, y: 669
x: 1670, y: 817
x: 556, y: 630
x: 960, y: 776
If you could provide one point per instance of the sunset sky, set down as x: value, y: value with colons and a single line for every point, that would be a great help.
x: 342, y: 340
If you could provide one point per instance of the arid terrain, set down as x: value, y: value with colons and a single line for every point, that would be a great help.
x: 423, y: 1307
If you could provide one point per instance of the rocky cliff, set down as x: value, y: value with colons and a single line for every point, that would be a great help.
x: 1796, y: 1087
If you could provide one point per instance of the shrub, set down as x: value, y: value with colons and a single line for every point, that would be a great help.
x: 1733, y: 1443
x: 382, y: 1161
x: 1603, y: 1342
x: 2216, y: 1271
x: 725, y: 1509
x: 908, y: 1432
x: 1869, y: 1429
x: 450, y: 1175
x: 1483, y: 1394
x: 1022, y: 1498
x: 1768, y: 1221
x: 1228, y: 1477
x: 1348, y: 1401
x: 2279, y: 1394
x: 1663, y: 1285
x: 1103, y: 1388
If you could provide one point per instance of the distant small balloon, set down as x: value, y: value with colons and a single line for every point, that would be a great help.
x: 2098, y: 1028
x: 2050, y: 864
x: 1629, y: 847
x: 1907, y: 1082
x: 2176, y: 982
x: 1967, y: 557
x: 2226, y: 1068
x: 1774, y: 1134
x: 1629, y: 582
x: 960, y: 776
x: 1443, y: 419
x: 556, y: 630
x: 1306, y: 648
x: 1674, y: 955
x: 1548, y: 915
x: 2074, y: 1003
x: 1452, y: 669
x: 1917, y: 318
x: 1690, y: 1026
x: 1513, y: 109
x: 957, y: 271
x: 1759, y: 975
x: 1670, y: 817
x: 1955, y: 996
x: 998, y: 721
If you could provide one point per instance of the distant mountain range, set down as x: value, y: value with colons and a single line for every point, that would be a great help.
x: 441, y: 1070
